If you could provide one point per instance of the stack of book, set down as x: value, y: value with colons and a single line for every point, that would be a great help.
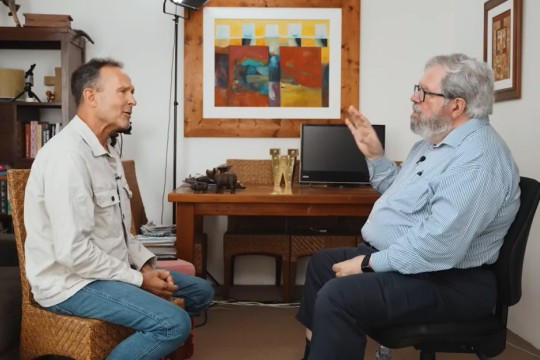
x: 160, y: 239
x: 36, y: 134
x: 47, y: 20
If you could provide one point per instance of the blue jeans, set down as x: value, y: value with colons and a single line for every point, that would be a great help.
x: 161, y: 326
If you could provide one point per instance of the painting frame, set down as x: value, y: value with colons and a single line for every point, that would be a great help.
x: 196, y: 125
x: 502, y: 51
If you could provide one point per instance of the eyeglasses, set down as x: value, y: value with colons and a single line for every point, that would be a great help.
x: 422, y: 93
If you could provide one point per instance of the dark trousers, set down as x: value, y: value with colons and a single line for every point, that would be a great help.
x: 340, y: 311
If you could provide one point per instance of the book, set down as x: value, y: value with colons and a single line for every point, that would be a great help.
x: 39, y: 137
x: 156, y: 240
x: 27, y: 140
x: 33, y: 138
x: 163, y: 252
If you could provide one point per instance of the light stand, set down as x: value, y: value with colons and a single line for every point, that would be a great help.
x: 188, y: 5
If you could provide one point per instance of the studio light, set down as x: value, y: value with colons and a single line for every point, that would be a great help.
x: 190, y: 4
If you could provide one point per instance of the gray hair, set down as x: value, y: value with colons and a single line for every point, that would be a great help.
x: 469, y: 79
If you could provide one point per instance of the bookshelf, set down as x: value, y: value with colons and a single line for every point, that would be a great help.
x: 15, y: 115
x: 14, y: 136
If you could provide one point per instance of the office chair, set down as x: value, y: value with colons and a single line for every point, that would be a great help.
x: 484, y: 337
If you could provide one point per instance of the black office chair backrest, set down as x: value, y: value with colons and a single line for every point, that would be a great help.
x: 509, y: 266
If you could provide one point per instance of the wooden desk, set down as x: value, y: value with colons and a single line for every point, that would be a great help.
x: 258, y: 200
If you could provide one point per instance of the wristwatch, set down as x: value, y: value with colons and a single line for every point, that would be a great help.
x: 365, y: 264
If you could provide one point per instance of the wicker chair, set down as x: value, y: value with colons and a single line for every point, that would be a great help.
x: 138, y: 218
x: 44, y: 332
x: 255, y: 235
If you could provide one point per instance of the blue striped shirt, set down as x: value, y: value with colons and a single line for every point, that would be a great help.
x: 447, y: 206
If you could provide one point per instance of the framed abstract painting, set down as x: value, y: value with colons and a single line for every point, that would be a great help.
x: 261, y: 68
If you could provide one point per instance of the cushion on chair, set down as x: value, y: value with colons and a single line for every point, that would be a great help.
x: 178, y: 265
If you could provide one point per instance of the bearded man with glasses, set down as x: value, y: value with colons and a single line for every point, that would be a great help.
x: 440, y: 220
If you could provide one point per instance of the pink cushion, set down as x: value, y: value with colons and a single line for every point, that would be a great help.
x: 177, y: 265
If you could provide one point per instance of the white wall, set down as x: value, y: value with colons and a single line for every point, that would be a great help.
x: 397, y: 37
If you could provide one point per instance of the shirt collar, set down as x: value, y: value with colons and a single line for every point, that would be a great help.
x: 456, y: 136
x: 88, y: 136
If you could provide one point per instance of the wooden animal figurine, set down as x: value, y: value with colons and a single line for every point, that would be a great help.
x: 225, y: 179
x: 13, y: 10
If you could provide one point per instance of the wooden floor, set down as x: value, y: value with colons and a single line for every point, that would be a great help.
x: 250, y: 331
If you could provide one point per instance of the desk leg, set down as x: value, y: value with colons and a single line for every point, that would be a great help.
x: 185, y: 231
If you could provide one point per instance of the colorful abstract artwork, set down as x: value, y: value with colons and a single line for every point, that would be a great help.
x: 276, y: 63
x: 273, y: 59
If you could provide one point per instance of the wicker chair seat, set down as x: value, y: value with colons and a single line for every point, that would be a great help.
x: 44, y: 333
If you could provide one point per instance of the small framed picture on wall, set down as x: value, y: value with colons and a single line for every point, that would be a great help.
x: 502, y: 46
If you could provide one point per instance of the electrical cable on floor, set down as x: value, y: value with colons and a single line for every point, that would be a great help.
x: 256, y: 303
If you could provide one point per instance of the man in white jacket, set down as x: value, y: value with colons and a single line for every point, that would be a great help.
x: 80, y: 257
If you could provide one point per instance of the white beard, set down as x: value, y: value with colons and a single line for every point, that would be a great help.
x: 435, y: 126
